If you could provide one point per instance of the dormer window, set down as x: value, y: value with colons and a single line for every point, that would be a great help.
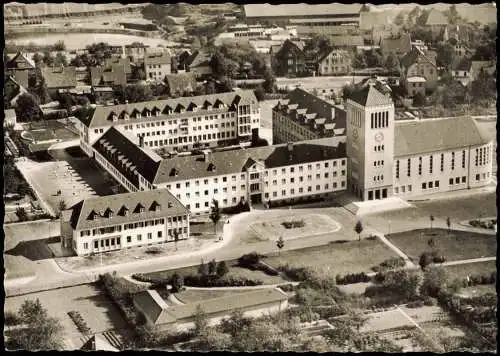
x: 136, y: 114
x: 156, y: 111
x: 193, y: 107
x: 180, y: 108
x: 174, y: 172
x: 207, y: 105
x: 146, y: 112
x: 170, y: 204
x: 139, y: 208
x: 155, y: 206
x: 167, y: 110
x: 219, y: 104
x: 125, y: 115
x: 113, y: 116
x: 108, y: 213
x: 93, y: 215
x: 211, y: 167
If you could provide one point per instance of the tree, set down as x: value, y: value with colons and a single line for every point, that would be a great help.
x: 41, y: 332
x: 419, y: 99
x: 413, y: 15
x: 399, y: 20
x: 27, y: 108
x: 176, y: 238
x: 177, y: 282
x: 138, y: 73
x: 202, y: 269
x: 453, y: 16
x: 391, y: 62
x: 222, y: 269
x: 448, y: 224
x: 431, y: 217
x: 136, y: 93
x: 435, y: 280
x: 259, y: 92
x: 425, y: 260
x: 358, y: 229
x: 445, y: 55
x: 60, y: 60
x: 37, y: 58
x: 235, y: 323
x: 431, y: 243
x: 213, y: 340
x: 422, y: 18
x: 59, y: 46
x: 360, y: 60
x: 48, y: 59
x: 215, y: 214
x: 21, y: 214
x: 269, y: 84
x: 212, y: 267
x: 280, y: 243
x: 200, y: 321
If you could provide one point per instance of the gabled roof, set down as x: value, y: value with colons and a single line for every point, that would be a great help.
x: 396, y: 45
x: 290, y: 46
x: 99, y: 117
x: 156, y: 57
x: 153, y: 305
x: 370, y: 96
x: 233, y: 162
x: 414, y: 55
x: 436, y: 17
x: 98, y: 343
x: 21, y: 77
x: 115, y: 75
x: 440, y: 135
x: 59, y: 77
x: 123, y: 62
x: 329, y: 51
x: 199, y: 58
x: 144, y: 160
x: 299, y: 10
x: 80, y: 212
x: 372, y: 19
x: 20, y: 56
x: 464, y: 64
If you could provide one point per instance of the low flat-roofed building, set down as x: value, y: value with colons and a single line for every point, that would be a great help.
x: 253, y: 303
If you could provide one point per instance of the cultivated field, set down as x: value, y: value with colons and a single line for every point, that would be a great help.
x: 455, y: 245
x: 336, y: 258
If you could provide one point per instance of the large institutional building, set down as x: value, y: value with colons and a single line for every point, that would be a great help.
x: 375, y: 158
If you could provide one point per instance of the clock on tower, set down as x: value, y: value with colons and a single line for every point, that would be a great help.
x: 379, y: 136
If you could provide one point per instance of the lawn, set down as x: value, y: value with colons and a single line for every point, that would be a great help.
x: 234, y: 271
x: 336, y: 258
x: 17, y: 267
x: 314, y: 224
x: 456, y: 245
x: 205, y: 229
x: 478, y: 268
x: 194, y: 295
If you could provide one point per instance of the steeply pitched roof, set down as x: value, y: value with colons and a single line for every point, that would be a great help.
x: 81, y: 211
x: 199, y: 58
x: 290, y: 47
x: 372, y: 19
x: 298, y: 10
x: 232, y: 162
x: 440, y: 135
x: 98, y: 343
x: 123, y: 62
x: 120, y: 144
x: 370, y: 96
x: 340, y: 52
x: 59, y: 77
x: 153, y: 305
x: 20, y: 56
x: 115, y: 75
x: 397, y: 45
x: 414, y: 55
x: 160, y: 58
x: 101, y: 115
x: 179, y: 83
x: 21, y: 77
x: 436, y: 17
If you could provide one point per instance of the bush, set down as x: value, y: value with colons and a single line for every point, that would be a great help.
x: 287, y: 287
x: 429, y: 301
x: 153, y: 250
x: 79, y: 322
x: 415, y: 304
x: 391, y: 263
x: 352, y: 278
x: 293, y: 224
x: 249, y: 260
x: 214, y: 281
x: 299, y: 274
x: 11, y: 318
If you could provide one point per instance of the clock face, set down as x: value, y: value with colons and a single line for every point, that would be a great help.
x: 379, y: 136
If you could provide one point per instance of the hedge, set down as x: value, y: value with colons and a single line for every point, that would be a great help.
x: 293, y: 224
x: 391, y: 263
x: 79, y: 322
x: 489, y: 224
x: 193, y: 280
x: 252, y: 262
x: 352, y: 278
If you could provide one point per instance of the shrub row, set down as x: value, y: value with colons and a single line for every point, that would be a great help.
x: 427, y: 301
x: 148, y: 279
x: 297, y: 201
x: 298, y: 274
x: 214, y: 281
x: 293, y: 224
x: 490, y: 224
x: 391, y: 263
x: 79, y: 322
x: 352, y: 278
x: 287, y: 287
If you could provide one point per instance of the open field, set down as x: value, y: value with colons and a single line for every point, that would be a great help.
x: 234, y: 271
x: 469, y: 269
x: 336, y: 258
x: 194, y: 295
x: 95, y: 307
x: 456, y: 245
x: 205, y: 229
x: 315, y: 224
x: 17, y: 267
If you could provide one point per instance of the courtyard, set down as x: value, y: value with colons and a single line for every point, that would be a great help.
x: 97, y: 310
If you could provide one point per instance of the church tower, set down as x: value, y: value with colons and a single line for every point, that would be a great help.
x: 370, y: 143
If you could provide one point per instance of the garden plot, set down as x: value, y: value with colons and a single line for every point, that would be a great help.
x: 296, y: 227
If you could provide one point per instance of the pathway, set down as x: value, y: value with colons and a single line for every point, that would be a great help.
x: 393, y: 247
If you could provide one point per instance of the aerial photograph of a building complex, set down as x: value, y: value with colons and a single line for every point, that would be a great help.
x: 262, y: 177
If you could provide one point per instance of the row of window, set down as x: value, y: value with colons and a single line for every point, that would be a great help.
x: 174, y: 131
x: 482, y: 156
x: 434, y: 184
x: 378, y: 163
x: 379, y: 119
x: 301, y: 190
x: 379, y: 148
x: 431, y: 164
x: 403, y: 189
x: 117, y: 174
x: 190, y: 139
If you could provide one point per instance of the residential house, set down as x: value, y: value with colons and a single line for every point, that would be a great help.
x: 181, y: 83
x: 119, y: 221
x: 304, y: 116
x: 437, y: 23
x: 415, y: 85
x: 335, y: 62
x: 418, y: 63
x: 20, y: 62
x: 461, y: 70
x: 22, y: 77
x: 199, y: 64
x: 289, y: 60
x: 108, y: 76
x: 462, y: 50
x: 398, y: 45
x: 59, y: 78
x: 157, y: 64
x: 489, y: 67
x: 135, y: 51
x: 12, y: 91
x: 253, y: 303
x: 125, y: 63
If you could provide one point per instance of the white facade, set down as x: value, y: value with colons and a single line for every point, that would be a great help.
x: 370, y: 149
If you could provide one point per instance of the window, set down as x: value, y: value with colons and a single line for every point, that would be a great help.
x: 477, y: 176
x: 343, y: 173
x: 159, y: 234
x: 451, y: 181
x: 457, y: 180
x: 430, y: 184
x: 442, y: 162
x: 452, y: 160
x: 436, y: 184
x: 464, y: 179
x: 431, y: 161
x: 129, y: 238
x: 419, y: 166
x: 206, y: 204
x: 463, y: 159
x: 397, y: 169
x: 139, y: 237
x: 409, y: 167
x: 424, y: 186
